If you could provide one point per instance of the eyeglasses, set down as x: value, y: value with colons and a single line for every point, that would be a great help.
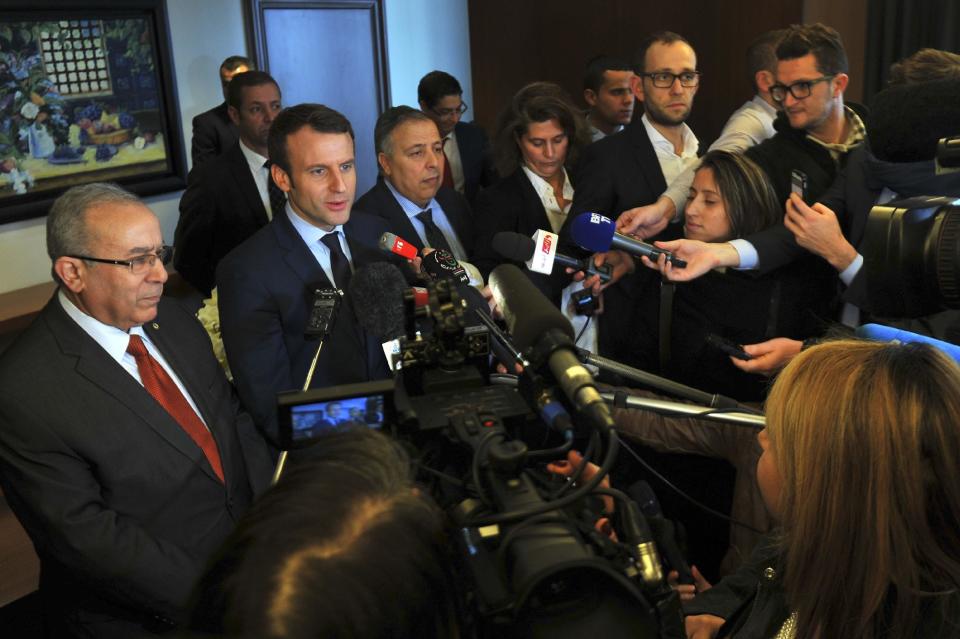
x: 446, y: 113
x: 799, y: 90
x: 138, y: 265
x: 665, y: 79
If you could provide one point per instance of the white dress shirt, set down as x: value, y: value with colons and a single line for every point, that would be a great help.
x: 672, y: 164
x: 114, y: 341
x: 312, y: 235
x: 556, y: 215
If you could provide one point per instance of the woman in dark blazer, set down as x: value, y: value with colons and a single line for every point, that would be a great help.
x: 539, y: 135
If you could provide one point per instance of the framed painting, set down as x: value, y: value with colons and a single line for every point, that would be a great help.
x: 86, y: 95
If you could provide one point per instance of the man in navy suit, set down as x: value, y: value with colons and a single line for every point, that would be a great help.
x: 213, y: 131
x: 123, y: 451
x: 231, y: 196
x: 465, y: 144
x: 266, y: 285
x: 409, y: 195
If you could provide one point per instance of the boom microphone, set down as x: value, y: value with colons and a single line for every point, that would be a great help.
x: 540, y: 329
x: 540, y: 254
x: 597, y: 233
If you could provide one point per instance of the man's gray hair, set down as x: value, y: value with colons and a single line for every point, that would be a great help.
x: 67, y: 232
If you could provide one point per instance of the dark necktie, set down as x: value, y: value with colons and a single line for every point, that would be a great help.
x: 435, y: 238
x: 163, y: 389
x: 278, y: 199
x: 447, y: 180
x: 339, y: 263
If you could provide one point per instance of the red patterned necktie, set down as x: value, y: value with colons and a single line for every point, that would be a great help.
x: 163, y: 389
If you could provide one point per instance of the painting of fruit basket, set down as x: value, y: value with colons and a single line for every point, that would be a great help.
x: 85, y: 95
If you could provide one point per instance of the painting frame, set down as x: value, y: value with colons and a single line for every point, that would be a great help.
x: 95, y: 141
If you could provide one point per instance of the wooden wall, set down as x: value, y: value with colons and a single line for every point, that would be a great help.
x: 513, y: 42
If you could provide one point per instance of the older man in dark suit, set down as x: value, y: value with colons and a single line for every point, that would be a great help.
x: 213, y: 131
x: 122, y: 448
x: 266, y: 285
x: 230, y: 197
x: 409, y: 195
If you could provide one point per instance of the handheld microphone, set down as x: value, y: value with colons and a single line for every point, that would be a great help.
x: 597, y: 233
x: 441, y: 264
x: 398, y: 245
x: 664, y: 531
x: 540, y: 254
x: 540, y: 329
x: 882, y: 333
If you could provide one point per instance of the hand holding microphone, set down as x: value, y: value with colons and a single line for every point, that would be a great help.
x: 437, y: 263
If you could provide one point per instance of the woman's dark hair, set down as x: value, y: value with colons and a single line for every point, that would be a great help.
x: 537, y: 102
x: 748, y: 198
x: 342, y: 546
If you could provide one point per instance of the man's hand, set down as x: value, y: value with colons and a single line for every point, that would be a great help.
x: 702, y: 626
x: 622, y: 264
x: 701, y: 258
x: 817, y: 230
x: 647, y: 221
x: 768, y: 357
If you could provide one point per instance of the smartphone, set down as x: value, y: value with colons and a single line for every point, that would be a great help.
x: 727, y: 346
x: 798, y: 183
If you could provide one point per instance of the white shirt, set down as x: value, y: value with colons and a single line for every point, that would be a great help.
x: 749, y: 125
x: 548, y: 198
x: 586, y: 331
x: 261, y: 175
x: 114, y: 341
x: 672, y: 164
x: 312, y: 237
x: 454, y: 163
x: 597, y: 134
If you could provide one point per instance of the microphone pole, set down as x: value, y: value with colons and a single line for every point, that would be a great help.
x: 713, y: 400
x: 621, y: 399
x: 323, y: 313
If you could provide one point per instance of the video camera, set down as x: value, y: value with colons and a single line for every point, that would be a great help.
x: 912, y: 249
x: 532, y: 562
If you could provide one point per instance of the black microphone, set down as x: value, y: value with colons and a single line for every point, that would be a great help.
x: 376, y: 292
x: 540, y: 329
x: 597, y: 233
x: 664, y: 531
x: 540, y: 257
x: 441, y: 264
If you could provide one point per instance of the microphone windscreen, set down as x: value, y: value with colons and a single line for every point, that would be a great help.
x: 513, y: 246
x: 882, y: 333
x: 376, y: 292
x: 593, y: 232
x: 528, y: 313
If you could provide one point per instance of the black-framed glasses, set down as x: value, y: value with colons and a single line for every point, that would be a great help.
x: 446, y: 113
x: 799, y: 90
x: 665, y: 79
x: 138, y: 265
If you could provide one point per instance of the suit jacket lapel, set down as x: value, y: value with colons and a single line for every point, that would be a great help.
x: 458, y: 212
x: 646, y: 158
x: 531, y: 204
x: 297, y: 256
x: 246, y: 184
x: 99, y: 368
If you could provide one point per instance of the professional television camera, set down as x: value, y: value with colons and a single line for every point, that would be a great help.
x: 912, y: 249
x: 532, y: 562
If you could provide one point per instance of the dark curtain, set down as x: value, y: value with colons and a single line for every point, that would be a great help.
x: 898, y: 28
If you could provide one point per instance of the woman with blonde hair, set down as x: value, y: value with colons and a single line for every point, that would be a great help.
x: 861, y: 466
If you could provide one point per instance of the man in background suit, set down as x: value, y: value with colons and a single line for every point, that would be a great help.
x: 231, y: 196
x: 266, y: 285
x: 213, y: 131
x: 631, y: 169
x: 409, y: 195
x: 465, y: 144
x: 122, y: 448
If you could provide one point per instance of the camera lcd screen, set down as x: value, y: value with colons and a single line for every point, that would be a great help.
x: 309, y: 420
x: 306, y: 415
